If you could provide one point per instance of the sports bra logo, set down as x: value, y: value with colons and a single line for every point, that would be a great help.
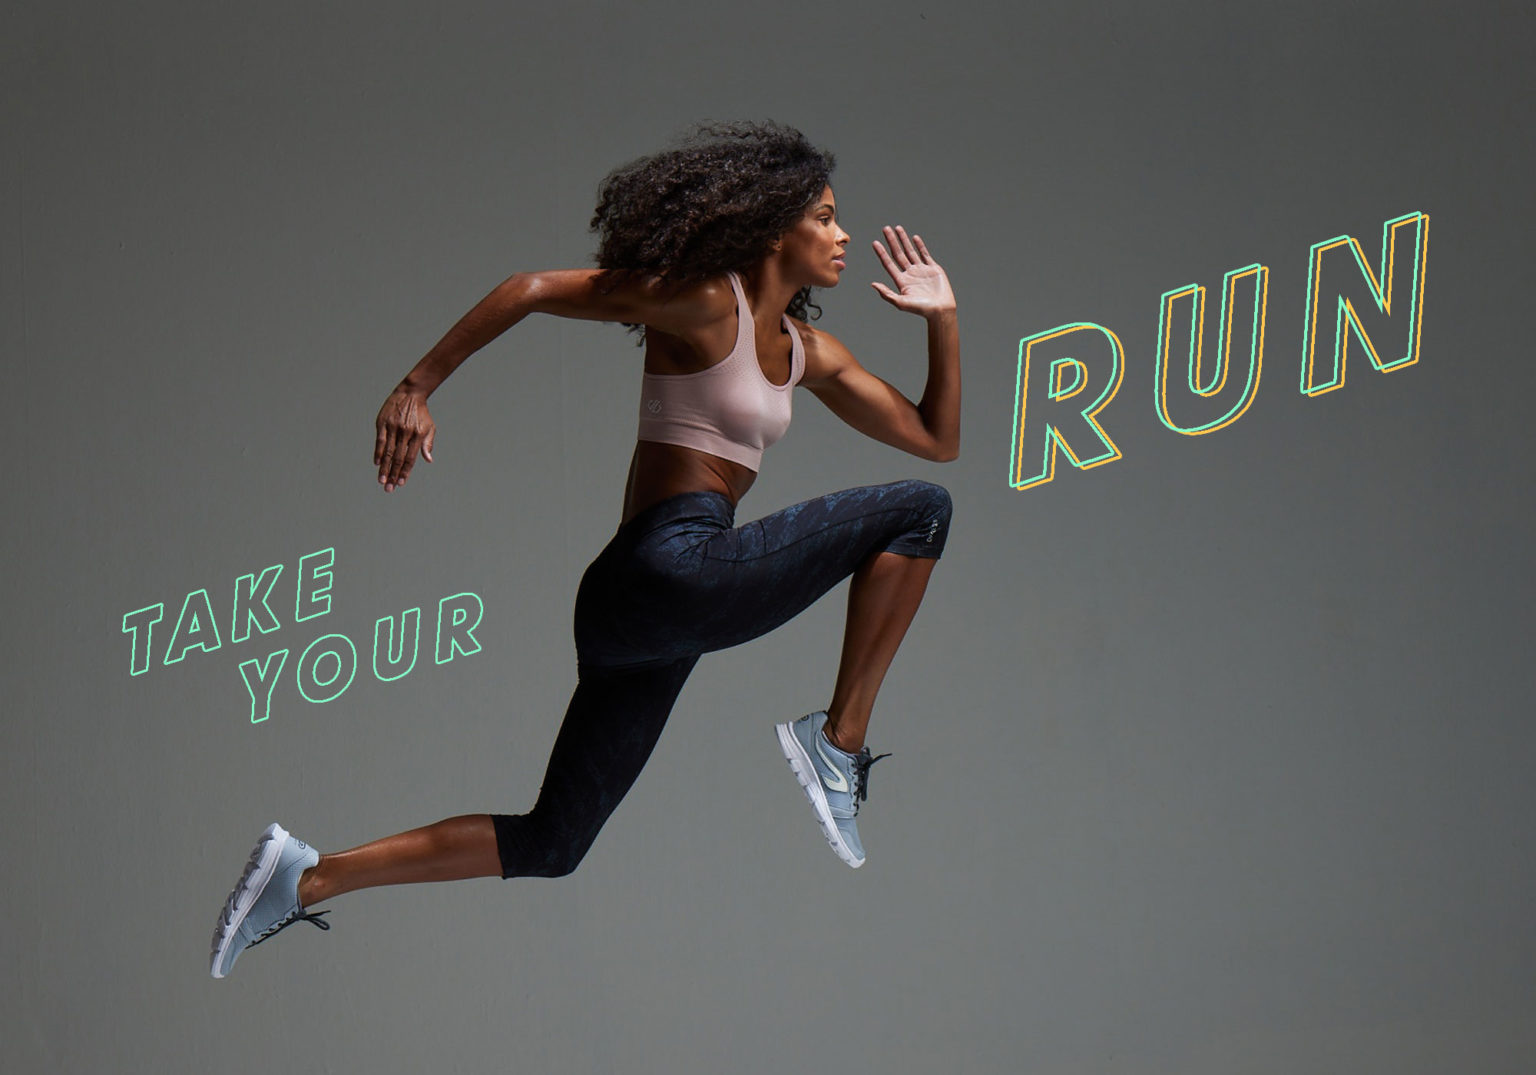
x: 653, y: 405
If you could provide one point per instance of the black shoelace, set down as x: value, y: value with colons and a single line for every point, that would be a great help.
x: 862, y: 761
x: 297, y: 916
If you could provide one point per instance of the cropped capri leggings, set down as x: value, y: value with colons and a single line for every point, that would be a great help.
x: 677, y: 581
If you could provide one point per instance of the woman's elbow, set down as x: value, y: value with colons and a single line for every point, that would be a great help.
x: 943, y: 453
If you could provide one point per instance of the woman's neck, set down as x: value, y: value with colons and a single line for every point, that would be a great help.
x: 768, y: 293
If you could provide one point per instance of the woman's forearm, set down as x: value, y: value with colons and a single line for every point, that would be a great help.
x: 505, y: 306
x: 940, y: 405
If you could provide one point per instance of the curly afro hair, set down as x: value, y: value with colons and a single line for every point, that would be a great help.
x: 715, y: 202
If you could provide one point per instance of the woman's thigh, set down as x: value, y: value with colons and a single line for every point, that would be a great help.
x: 756, y: 577
x: 697, y: 584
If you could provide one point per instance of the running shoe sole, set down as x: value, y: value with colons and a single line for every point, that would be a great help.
x: 253, y: 882
x: 804, y: 768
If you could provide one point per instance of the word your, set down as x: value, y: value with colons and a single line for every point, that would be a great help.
x: 328, y: 665
x: 1049, y: 377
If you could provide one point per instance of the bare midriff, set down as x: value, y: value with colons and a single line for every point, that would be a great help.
x: 659, y: 471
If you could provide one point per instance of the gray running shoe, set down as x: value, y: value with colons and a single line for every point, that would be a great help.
x: 835, y: 782
x: 265, y: 900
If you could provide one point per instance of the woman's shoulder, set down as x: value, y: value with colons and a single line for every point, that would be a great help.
x: 631, y: 298
x: 700, y: 325
x: 821, y: 347
x: 827, y: 359
x: 709, y: 297
x: 685, y: 309
x: 707, y: 305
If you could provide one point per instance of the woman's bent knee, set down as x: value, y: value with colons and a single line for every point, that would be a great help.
x: 528, y: 847
x: 931, y: 508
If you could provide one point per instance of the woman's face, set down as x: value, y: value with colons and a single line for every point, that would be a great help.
x: 814, y: 249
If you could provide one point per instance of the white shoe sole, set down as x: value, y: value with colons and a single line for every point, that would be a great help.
x: 258, y: 872
x: 804, y: 768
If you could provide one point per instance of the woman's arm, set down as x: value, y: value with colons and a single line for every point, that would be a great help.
x: 404, y: 428
x: 929, y: 428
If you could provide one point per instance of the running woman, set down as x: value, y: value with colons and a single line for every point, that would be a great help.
x: 711, y: 249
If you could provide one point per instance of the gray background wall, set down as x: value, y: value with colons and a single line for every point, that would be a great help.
x: 1212, y: 759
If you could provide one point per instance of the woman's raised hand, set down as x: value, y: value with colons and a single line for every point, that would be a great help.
x: 921, y: 286
x: 404, y: 429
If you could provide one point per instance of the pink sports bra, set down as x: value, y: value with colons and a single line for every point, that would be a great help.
x: 730, y: 409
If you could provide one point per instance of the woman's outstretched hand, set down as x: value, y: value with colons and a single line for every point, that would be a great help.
x: 404, y: 429
x: 921, y: 286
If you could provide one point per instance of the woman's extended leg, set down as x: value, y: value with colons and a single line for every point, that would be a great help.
x: 285, y: 877
x: 609, y: 731
x: 450, y: 850
x: 610, y: 728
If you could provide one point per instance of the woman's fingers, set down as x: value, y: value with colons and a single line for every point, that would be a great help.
x: 385, y: 452
x: 385, y: 426
x: 902, y: 252
x: 406, y: 460
x: 391, y: 450
x: 388, y: 466
x: 404, y: 430
x: 919, y: 283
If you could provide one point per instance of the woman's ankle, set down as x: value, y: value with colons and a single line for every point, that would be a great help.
x: 311, y: 886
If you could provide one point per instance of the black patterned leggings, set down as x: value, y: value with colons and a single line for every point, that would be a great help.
x: 677, y: 581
